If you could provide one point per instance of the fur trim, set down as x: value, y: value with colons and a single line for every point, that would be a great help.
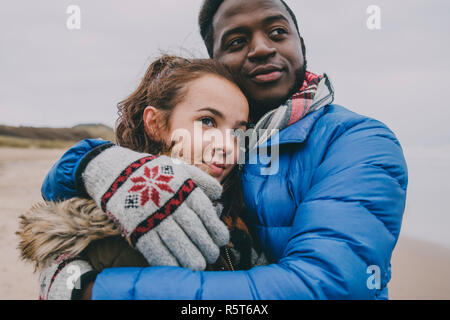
x: 50, y: 229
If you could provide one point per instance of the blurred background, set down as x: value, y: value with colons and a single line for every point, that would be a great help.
x: 67, y: 83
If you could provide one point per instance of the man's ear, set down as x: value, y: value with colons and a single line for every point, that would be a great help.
x: 150, y: 118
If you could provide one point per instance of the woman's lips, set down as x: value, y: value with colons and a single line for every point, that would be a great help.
x: 267, y: 77
x: 216, y: 170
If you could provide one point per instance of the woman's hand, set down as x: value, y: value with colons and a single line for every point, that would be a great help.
x: 164, y: 207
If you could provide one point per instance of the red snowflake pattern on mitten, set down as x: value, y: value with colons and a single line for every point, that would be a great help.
x: 151, y: 184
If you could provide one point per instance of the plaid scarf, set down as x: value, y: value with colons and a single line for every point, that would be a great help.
x: 316, y: 92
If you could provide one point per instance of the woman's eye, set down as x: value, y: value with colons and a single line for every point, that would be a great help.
x: 209, y: 122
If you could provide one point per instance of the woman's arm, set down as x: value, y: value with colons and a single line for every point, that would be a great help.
x: 66, y: 278
x: 164, y: 208
x: 87, y: 292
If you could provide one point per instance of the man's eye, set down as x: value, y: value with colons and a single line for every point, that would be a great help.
x: 236, y: 43
x: 207, y: 121
x: 278, y: 32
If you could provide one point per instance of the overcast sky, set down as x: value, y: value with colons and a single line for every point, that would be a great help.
x: 52, y: 76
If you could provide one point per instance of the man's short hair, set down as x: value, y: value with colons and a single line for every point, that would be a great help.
x: 205, y: 21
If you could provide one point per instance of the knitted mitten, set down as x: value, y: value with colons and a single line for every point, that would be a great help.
x: 164, y: 207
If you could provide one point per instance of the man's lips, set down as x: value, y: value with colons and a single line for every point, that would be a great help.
x: 267, y: 77
x: 266, y: 74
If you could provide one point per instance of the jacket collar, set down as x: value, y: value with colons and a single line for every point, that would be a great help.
x: 297, y: 132
x: 316, y: 93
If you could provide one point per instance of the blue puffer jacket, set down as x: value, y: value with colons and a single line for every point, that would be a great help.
x: 329, y: 219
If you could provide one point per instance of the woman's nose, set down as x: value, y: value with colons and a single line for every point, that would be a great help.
x: 226, y: 147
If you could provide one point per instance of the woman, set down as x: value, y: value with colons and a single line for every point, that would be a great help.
x: 175, y: 99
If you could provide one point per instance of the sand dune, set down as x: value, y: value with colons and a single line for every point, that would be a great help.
x: 419, y: 270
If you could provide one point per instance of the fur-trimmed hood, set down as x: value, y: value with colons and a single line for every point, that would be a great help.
x: 50, y: 229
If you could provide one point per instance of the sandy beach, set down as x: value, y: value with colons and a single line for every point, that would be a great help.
x: 21, y: 175
x: 420, y: 270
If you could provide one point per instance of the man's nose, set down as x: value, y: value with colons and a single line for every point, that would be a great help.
x: 261, y: 48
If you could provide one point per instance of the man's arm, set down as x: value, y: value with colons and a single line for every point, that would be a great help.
x: 349, y: 221
x: 60, y: 184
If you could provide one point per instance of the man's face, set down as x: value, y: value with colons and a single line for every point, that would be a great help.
x: 258, y: 40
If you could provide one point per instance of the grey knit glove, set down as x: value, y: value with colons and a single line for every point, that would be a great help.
x: 164, y: 207
x: 64, y: 278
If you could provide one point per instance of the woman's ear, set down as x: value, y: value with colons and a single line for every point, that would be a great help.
x: 150, y: 118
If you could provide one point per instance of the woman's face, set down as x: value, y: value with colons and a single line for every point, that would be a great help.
x: 201, y: 125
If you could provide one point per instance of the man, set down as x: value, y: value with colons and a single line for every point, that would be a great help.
x: 333, y: 210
